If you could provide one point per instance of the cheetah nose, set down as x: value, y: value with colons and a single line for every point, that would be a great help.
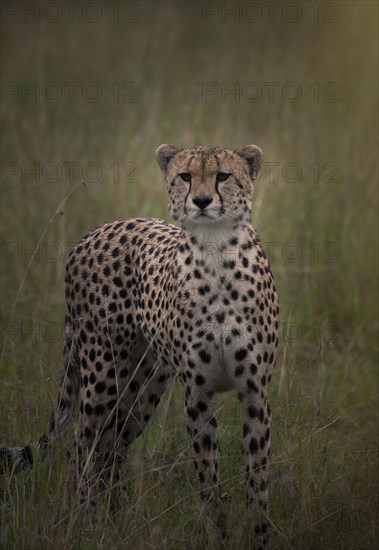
x: 202, y: 201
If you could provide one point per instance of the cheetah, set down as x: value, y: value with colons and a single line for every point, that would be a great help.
x: 147, y: 300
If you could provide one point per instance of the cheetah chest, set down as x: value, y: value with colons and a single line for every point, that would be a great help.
x: 218, y: 313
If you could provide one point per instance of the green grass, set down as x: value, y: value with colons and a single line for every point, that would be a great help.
x: 324, y: 393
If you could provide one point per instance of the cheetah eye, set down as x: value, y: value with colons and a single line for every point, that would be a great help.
x: 222, y: 176
x: 186, y: 176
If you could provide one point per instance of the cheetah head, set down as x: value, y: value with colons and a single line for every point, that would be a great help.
x: 209, y: 185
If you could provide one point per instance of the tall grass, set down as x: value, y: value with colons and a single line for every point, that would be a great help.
x: 321, y: 231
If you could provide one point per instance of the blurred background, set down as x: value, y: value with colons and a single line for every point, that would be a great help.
x: 88, y: 92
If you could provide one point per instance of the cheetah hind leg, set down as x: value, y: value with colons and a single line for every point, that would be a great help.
x: 146, y: 386
x: 99, y: 459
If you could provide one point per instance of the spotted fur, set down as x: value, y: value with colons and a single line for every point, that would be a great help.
x: 147, y: 300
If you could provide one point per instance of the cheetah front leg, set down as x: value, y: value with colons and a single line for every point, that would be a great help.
x: 256, y: 447
x: 203, y: 434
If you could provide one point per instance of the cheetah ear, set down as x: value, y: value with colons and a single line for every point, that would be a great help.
x: 164, y: 154
x: 253, y: 155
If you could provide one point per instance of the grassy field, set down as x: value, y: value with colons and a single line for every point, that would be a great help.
x: 106, y: 94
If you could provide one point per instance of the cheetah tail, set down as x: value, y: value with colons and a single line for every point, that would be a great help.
x: 15, y: 459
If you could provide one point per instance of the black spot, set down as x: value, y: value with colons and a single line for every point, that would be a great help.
x: 112, y: 307
x: 204, y: 356
x: 99, y: 410
x: 105, y: 290
x: 154, y: 399
x: 192, y: 413
x: 263, y: 485
x: 234, y: 295
x: 100, y: 387
x: 253, y: 369
x: 107, y: 356
x: 240, y: 354
x: 201, y: 406
x: 119, y: 339
x: 253, y: 446
x: 220, y: 317
x: 252, y: 412
x: 207, y: 443
x: 200, y: 380
x: 204, y: 290
x: 252, y: 386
